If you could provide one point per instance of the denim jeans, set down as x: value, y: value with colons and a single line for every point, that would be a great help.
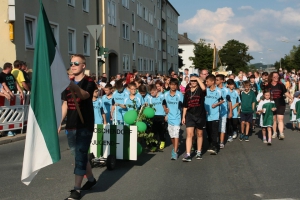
x: 79, y: 142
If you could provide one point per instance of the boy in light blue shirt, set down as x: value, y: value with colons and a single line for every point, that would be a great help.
x: 107, y: 102
x: 99, y: 114
x: 143, y: 94
x: 118, y: 98
x: 132, y: 101
x: 212, y: 102
x: 173, y: 106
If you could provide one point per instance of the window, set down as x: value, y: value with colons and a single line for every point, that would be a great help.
x: 146, y: 14
x: 144, y: 64
x: 71, y: 41
x: 125, y: 3
x: 151, y: 42
x: 133, y: 51
x: 150, y: 18
x: 159, y: 66
x: 140, y: 37
x: 126, y: 63
x: 86, y: 5
x: 125, y: 31
x: 159, y: 45
x: 71, y: 3
x: 139, y: 7
x: 158, y: 24
x: 86, y: 44
x: 111, y: 12
x: 55, y: 31
x: 146, y: 39
x: 30, y: 26
x: 133, y: 21
x: 158, y: 4
x: 140, y: 64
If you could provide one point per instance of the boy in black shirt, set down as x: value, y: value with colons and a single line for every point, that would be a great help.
x: 79, y: 132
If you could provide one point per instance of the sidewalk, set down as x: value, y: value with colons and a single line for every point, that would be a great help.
x: 18, y: 137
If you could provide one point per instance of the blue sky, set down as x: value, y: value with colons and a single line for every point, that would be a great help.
x: 269, y: 27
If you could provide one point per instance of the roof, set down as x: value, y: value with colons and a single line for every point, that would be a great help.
x: 182, y: 39
x: 168, y: 2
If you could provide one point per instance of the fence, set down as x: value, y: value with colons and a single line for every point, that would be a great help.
x: 14, y: 113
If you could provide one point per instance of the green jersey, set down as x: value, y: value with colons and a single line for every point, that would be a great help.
x: 296, y: 106
x: 267, y: 113
x: 247, y: 99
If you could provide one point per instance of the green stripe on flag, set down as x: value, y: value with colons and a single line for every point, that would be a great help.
x: 99, y: 140
x: 126, y: 142
x: 113, y: 140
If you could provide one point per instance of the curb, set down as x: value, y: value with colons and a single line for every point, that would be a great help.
x: 13, y: 139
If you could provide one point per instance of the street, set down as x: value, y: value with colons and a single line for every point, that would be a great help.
x: 243, y: 170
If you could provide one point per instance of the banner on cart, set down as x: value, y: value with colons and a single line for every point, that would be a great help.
x: 117, y: 140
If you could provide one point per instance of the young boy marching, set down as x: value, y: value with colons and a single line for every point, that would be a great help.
x: 173, y: 104
x: 79, y: 132
x: 132, y: 101
x: 99, y: 114
x: 248, y: 100
x: 225, y: 108
x: 118, y: 99
x: 295, y: 110
x: 232, y: 124
x: 213, y: 100
x: 194, y: 115
x: 107, y: 102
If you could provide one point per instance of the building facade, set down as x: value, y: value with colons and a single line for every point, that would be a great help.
x: 139, y: 34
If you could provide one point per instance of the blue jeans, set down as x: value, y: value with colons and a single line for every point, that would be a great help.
x: 79, y: 142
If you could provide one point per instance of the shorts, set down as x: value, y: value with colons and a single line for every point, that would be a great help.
x: 298, y: 120
x: 280, y: 110
x: 196, y: 122
x: 79, y: 142
x: 222, y: 124
x: 173, y: 131
x: 246, y: 117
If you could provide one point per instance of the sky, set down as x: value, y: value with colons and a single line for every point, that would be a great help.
x: 269, y: 27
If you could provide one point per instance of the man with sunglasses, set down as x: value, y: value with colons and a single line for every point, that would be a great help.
x: 79, y: 132
x: 194, y: 115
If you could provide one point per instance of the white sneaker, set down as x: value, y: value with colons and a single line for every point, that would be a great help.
x: 274, y: 135
x: 281, y: 136
x: 234, y: 136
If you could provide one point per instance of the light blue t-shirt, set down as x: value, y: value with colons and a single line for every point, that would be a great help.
x: 126, y: 91
x: 106, y: 105
x: 143, y: 99
x: 212, y: 97
x: 119, y: 99
x: 235, y: 98
x: 174, y: 104
x: 224, y: 106
x: 129, y: 103
x: 157, y: 103
x: 98, y: 110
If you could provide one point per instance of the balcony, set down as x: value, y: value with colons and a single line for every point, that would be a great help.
x: 164, y: 35
x: 164, y: 55
x: 163, y: 15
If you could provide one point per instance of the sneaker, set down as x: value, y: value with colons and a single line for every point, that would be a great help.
x: 269, y: 143
x: 265, y: 141
x: 198, y: 155
x: 88, y: 185
x: 162, y: 145
x: 74, y: 195
x: 214, y: 151
x: 234, y: 136
x: 274, y: 135
x: 242, y: 137
x: 222, y: 146
x: 174, y: 156
x: 230, y: 139
x: 186, y: 158
x: 281, y: 136
x: 246, y: 138
x: 10, y: 134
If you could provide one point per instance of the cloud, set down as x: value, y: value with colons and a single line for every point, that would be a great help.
x: 260, y: 29
x: 245, y: 8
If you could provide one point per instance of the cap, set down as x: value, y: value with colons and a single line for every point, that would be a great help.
x: 297, y: 94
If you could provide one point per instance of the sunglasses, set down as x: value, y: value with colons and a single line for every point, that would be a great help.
x: 75, y: 63
x: 193, y: 81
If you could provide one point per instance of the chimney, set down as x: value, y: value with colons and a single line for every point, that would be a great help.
x: 185, y: 35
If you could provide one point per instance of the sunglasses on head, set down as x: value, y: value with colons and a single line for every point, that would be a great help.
x: 75, y: 63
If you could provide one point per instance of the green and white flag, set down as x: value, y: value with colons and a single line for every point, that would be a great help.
x: 117, y: 140
x: 49, y: 80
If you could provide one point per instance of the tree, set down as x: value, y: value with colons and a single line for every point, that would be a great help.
x: 234, y: 54
x: 203, y: 55
x: 297, y: 58
x: 290, y: 61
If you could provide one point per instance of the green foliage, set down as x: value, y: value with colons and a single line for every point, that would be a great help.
x: 235, y: 55
x: 290, y: 61
x: 203, y: 55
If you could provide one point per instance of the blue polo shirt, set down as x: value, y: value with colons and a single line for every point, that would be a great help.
x: 157, y: 103
x: 98, y: 111
x: 106, y: 105
x: 143, y: 99
x: 224, y: 106
x: 212, y: 97
x: 119, y: 97
x: 235, y: 98
x: 129, y: 103
x: 174, y: 103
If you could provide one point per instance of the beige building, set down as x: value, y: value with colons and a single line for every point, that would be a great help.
x: 139, y: 34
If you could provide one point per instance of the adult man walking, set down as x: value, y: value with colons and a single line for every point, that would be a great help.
x: 19, y: 76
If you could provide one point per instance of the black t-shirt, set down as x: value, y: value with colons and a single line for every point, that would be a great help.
x: 86, y: 106
x: 277, y: 93
x: 10, y: 81
x: 26, y: 76
x: 194, y: 102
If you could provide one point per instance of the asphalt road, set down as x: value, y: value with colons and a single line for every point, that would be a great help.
x: 243, y: 170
